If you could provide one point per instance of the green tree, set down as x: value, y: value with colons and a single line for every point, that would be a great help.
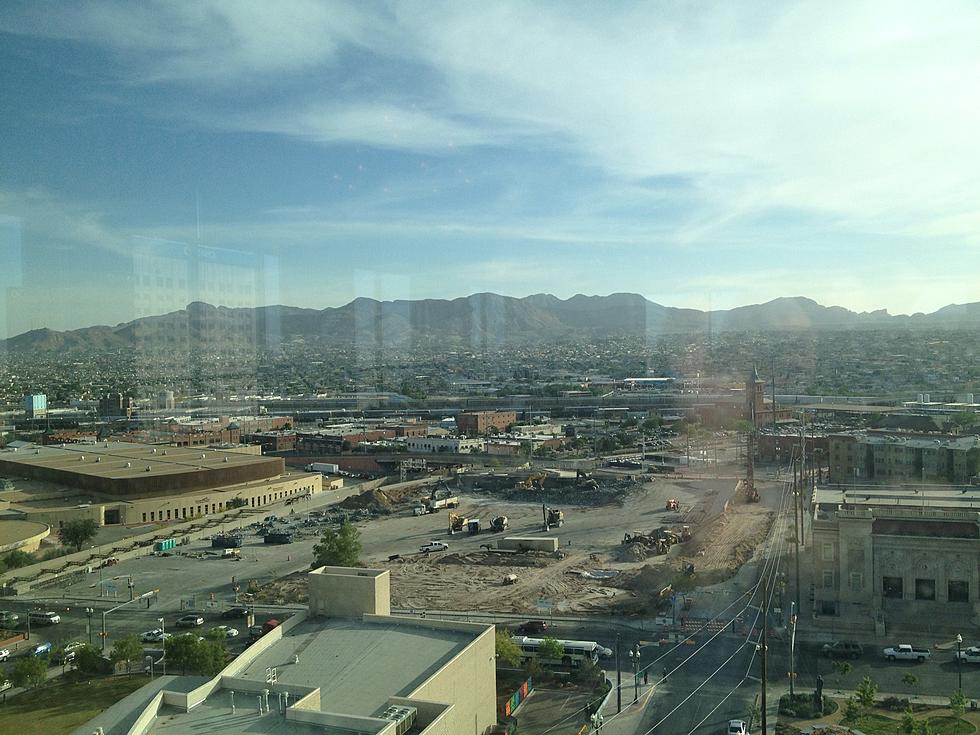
x: 842, y: 669
x: 908, y: 721
x: 651, y: 424
x: 753, y: 713
x: 78, y: 533
x: 89, y: 660
x: 212, y: 654
x: 30, y: 672
x: 910, y: 680
x: 17, y: 559
x: 507, y: 651
x: 338, y: 548
x: 182, y: 651
x: 550, y: 648
x: 852, y: 711
x: 922, y: 727
x: 126, y: 650
x: 957, y: 702
x: 866, y: 692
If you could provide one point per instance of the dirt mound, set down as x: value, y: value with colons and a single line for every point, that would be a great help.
x: 495, y: 560
x: 376, y: 499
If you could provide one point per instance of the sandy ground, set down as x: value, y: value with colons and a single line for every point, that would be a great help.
x: 725, y: 531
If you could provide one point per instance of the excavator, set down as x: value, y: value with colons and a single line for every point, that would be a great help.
x: 534, y: 481
x: 585, y: 481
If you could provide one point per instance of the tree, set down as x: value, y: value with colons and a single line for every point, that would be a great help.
x: 182, y: 651
x: 78, y: 533
x: 17, y: 559
x: 338, y: 548
x: 30, y: 672
x: 852, y: 711
x: 126, y: 650
x: 908, y: 721
x: 212, y: 654
x: 89, y: 660
x: 957, y: 702
x: 910, y: 680
x: 550, y: 648
x: 866, y: 692
x: 922, y: 727
x: 507, y: 651
x: 842, y: 669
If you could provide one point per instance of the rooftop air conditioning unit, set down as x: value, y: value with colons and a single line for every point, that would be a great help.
x: 403, y: 717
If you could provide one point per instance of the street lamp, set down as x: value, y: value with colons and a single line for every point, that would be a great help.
x: 959, y: 661
x: 90, y: 612
x: 635, y: 660
x: 163, y: 642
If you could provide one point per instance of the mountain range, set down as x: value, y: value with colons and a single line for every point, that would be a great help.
x: 476, y: 319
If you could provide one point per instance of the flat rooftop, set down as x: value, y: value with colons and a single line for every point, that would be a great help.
x: 930, y: 498
x: 358, y: 665
x: 116, y: 460
x: 916, y: 442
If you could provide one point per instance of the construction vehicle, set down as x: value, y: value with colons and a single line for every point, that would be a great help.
x: 672, y: 504
x: 510, y: 579
x: 585, y: 481
x: 660, y: 539
x: 473, y: 526
x: 457, y: 523
x: 552, y: 518
x: 534, y: 481
x: 498, y: 524
x: 440, y: 497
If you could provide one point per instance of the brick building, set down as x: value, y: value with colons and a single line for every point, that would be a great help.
x: 482, y: 422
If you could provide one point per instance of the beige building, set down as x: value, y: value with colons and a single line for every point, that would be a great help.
x: 342, y: 666
x: 896, y: 557
x: 881, y: 458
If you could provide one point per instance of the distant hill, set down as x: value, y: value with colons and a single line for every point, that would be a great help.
x: 478, y: 319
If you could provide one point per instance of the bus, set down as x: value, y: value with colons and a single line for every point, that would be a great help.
x: 574, y: 652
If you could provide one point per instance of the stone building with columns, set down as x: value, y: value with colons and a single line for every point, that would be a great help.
x: 895, y: 557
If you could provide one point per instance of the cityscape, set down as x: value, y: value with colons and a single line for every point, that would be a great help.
x: 444, y: 368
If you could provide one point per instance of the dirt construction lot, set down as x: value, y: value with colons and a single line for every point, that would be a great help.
x: 595, y: 571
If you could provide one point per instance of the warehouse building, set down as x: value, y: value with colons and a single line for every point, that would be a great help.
x: 344, y: 665
x: 128, y: 484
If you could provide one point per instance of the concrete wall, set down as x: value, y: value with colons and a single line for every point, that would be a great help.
x: 469, y: 682
x: 344, y: 592
x: 535, y: 543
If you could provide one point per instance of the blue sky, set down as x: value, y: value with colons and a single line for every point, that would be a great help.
x: 700, y: 154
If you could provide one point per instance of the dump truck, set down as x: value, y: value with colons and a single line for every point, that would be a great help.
x: 498, y: 524
x: 552, y: 518
x: 672, y: 504
x: 473, y: 526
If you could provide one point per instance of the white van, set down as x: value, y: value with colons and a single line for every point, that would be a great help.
x: 45, y: 618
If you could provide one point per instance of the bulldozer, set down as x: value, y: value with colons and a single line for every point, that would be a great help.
x: 457, y: 523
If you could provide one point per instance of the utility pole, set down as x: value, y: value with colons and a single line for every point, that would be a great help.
x: 765, y: 646
x: 797, y: 490
x: 792, y: 650
x: 619, y: 680
x: 773, y: 379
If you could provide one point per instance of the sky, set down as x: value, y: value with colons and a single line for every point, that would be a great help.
x: 705, y: 155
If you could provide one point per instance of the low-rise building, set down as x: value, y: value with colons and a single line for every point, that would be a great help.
x: 344, y: 665
x: 885, y: 556
x: 894, y: 457
x: 482, y: 422
x: 450, y: 444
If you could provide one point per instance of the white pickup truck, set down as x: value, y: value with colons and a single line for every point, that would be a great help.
x: 906, y: 652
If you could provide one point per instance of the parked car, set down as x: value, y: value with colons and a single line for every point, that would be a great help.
x: 433, y: 546
x: 737, y: 727
x: 5, y: 684
x: 226, y: 631
x: 66, y: 654
x: 969, y: 655
x: 843, y: 649
x: 190, y: 621
x: 906, y: 652
x: 233, y: 613
x: 8, y: 618
x: 154, y: 636
x: 532, y: 627
x: 4, y: 654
